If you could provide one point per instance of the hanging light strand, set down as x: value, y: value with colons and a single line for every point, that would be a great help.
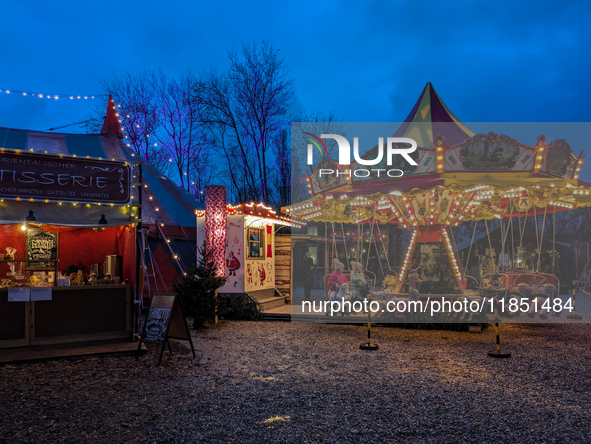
x: 53, y: 96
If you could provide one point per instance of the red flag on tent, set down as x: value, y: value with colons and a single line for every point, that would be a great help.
x: 111, y: 125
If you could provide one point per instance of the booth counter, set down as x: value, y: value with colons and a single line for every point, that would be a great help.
x: 74, y: 314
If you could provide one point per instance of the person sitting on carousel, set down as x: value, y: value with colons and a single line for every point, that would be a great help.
x: 335, y: 282
x: 360, y: 288
x: 336, y: 278
x: 413, y: 281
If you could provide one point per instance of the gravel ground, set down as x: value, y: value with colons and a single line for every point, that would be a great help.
x: 282, y: 382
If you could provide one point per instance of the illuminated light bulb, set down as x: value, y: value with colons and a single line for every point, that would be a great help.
x: 24, y: 227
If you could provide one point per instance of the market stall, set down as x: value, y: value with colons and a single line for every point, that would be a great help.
x: 67, y: 248
x: 244, y: 245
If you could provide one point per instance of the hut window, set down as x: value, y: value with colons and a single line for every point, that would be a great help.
x: 256, y: 243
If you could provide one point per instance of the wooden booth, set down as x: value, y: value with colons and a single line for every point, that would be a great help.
x: 67, y: 248
x: 246, y: 246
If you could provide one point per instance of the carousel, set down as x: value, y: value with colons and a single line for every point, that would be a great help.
x: 482, y: 180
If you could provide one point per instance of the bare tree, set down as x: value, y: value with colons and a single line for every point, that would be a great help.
x: 282, y: 172
x: 245, y: 108
x: 136, y: 101
x: 315, y: 122
x: 163, y: 125
x: 182, y: 136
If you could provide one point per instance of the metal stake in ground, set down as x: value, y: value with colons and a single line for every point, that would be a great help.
x: 498, y: 353
x: 574, y: 315
x: 368, y: 345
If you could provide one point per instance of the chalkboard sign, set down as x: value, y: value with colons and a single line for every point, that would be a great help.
x: 158, y: 317
x: 165, y: 320
x: 41, y: 245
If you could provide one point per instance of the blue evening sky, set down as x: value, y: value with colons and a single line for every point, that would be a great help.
x: 367, y: 61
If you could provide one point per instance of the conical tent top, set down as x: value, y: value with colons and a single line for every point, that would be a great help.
x: 430, y: 117
x: 111, y: 126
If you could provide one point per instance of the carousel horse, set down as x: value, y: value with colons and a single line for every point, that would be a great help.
x: 342, y: 293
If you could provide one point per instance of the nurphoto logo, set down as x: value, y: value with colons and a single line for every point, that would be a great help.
x: 394, y: 146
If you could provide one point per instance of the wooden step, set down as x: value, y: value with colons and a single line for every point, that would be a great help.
x: 258, y: 295
x: 271, y: 303
x: 285, y: 317
x: 268, y: 298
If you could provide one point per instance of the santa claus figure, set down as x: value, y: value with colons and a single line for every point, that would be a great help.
x: 232, y: 264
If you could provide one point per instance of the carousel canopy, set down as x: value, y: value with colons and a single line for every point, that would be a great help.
x: 458, y: 176
x: 163, y: 201
x: 431, y: 116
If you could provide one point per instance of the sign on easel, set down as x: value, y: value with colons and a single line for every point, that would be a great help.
x: 165, y: 320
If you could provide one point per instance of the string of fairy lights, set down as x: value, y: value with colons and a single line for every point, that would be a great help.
x: 133, y: 206
x: 259, y: 211
x: 75, y: 97
x: 52, y: 96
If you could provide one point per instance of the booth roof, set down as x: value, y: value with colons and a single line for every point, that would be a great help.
x: 170, y: 204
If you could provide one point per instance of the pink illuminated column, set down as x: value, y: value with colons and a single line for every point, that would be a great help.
x: 215, y: 225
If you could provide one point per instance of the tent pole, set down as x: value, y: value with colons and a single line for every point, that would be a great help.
x: 138, y: 228
x: 187, y: 237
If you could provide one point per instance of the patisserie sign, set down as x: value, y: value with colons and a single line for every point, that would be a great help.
x: 26, y: 176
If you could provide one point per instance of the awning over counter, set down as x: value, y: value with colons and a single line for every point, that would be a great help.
x: 66, y: 215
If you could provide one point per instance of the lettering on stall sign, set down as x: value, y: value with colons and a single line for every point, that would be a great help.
x: 50, y: 178
x: 32, y: 175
